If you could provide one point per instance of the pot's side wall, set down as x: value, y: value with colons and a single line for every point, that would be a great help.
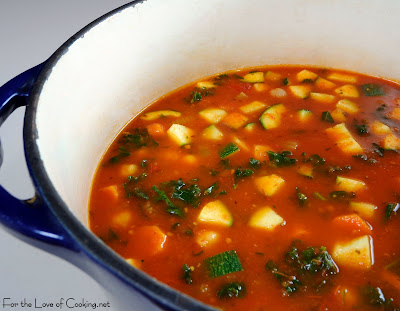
x: 135, y: 56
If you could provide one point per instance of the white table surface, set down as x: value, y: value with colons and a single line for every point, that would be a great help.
x: 30, y: 31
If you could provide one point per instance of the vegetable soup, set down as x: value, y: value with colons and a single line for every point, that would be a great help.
x: 273, y: 188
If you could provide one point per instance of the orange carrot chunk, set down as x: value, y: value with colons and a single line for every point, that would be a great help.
x: 146, y: 242
x: 155, y: 129
x: 352, y: 222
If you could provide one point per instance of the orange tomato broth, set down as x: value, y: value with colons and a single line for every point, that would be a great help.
x: 143, y: 232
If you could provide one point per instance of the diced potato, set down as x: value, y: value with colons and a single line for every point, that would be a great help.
x: 266, y: 218
x: 217, y: 213
x: 134, y: 262
x: 278, y: 92
x: 242, y: 145
x: 260, y: 152
x: 128, y: 169
x: 347, y: 90
x: 190, y: 159
x: 380, y: 128
x: 269, y: 185
x: 341, y: 77
x: 122, y: 219
x: 344, y: 140
x: 235, y: 120
x: 306, y: 75
x: 242, y: 96
x: 181, y: 134
x: 109, y: 193
x: 364, y: 209
x: 306, y: 170
x: 394, y: 114
x: 272, y: 76
x: 323, y: 98
x: 301, y: 91
x: 260, y: 87
x: 213, y: 115
x: 304, y: 115
x: 253, y: 107
x: 338, y: 115
x: 212, y: 133
x: 347, y: 106
x: 349, y: 184
x: 324, y: 84
x: 205, y: 85
x: 391, y: 142
x: 149, y: 116
x: 206, y: 237
x: 254, y: 77
x: 354, y: 254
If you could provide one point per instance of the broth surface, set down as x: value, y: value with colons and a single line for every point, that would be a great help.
x: 272, y: 188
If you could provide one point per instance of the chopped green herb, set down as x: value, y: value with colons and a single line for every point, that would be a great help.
x: 195, y: 97
x: 319, y: 196
x: 316, y: 160
x: 381, y: 107
x: 198, y: 254
x: 175, y: 225
x: 339, y: 195
x: 213, y: 172
x: 131, y: 189
x: 223, y: 263
x: 139, y: 138
x: 307, y: 81
x: 285, y: 81
x: 391, y: 208
x: 187, y: 274
x: 228, y: 150
x: 222, y: 76
x: 372, y: 89
x: 112, y: 236
x: 326, y: 116
x: 172, y: 209
x: 144, y: 163
x: 254, y: 163
x: 289, y: 282
x: 222, y: 192
x: 378, y: 149
x: 232, y: 290
x: 188, y: 232
x: 226, y: 163
x: 210, y: 190
x: 122, y: 153
x: 301, y: 197
x: 188, y: 194
x: 281, y: 159
x: 373, y: 296
x: 362, y: 129
x: 240, y: 173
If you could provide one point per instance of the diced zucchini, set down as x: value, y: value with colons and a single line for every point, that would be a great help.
x: 254, y: 77
x: 205, y: 85
x: 223, y: 263
x: 306, y: 75
x: 271, y: 118
x: 354, y: 254
x: 250, y: 127
x: 341, y: 77
x: 347, y: 106
x: 338, y: 115
x: 266, y: 218
x: 217, y: 213
x: 394, y: 114
x: 344, y: 140
x: 228, y: 150
x: 260, y: 152
x: 235, y: 120
x: 364, y: 209
x: 324, y: 84
x: 304, y: 115
x: 301, y: 91
x: 149, y: 116
x: 253, y: 106
x: 306, y: 170
x: 278, y: 92
x: 347, y: 90
x: 213, y: 115
x: 259, y: 87
x: 268, y: 185
x: 349, y: 184
x: 212, y: 133
x: 380, y: 128
x: 321, y: 97
x: 391, y: 142
x: 181, y: 134
x: 272, y: 76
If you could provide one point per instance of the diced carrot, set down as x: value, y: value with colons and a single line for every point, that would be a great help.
x: 352, y: 222
x: 155, y: 129
x: 235, y: 120
x: 108, y: 194
x: 146, y: 241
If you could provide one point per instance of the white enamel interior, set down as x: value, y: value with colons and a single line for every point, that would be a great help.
x: 133, y: 57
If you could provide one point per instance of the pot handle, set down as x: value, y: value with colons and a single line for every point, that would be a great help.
x: 30, y: 219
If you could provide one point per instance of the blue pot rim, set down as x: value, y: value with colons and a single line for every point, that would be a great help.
x: 87, y: 242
